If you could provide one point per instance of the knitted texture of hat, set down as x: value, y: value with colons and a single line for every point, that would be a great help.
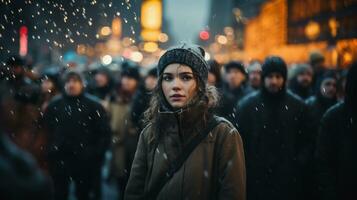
x: 190, y: 55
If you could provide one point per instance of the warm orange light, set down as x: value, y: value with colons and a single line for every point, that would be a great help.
x: 221, y: 39
x: 150, y: 35
x: 151, y: 20
x: 105, y: 31
x: 151, y: 47
x: 312, y: 30
x: 81, y: 49
x: 117, y: 27
x: 163, y: 37
x: 151, y: 14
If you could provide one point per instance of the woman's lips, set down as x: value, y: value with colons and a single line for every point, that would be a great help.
x: 176, y: 97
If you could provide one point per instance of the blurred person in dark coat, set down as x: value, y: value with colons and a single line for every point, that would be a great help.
x: 325, y: 97
x: 20, y: 178
x: 103, y: 86
x: 254, y: 77
x: 274, y: 125
x: 233, y: 91
x: 336, y: 148
x: 78, y: 136
x: 19, y: 96
x: 125, y: 134
x: 141, y: 99
x: 317, y: 62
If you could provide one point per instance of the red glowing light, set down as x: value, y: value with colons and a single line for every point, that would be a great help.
x: 204, y: 35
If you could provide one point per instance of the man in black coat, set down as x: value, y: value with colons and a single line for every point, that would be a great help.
x: 336, y: 148
x: 274, y: 129
x: 233, y: 91
x: 79, y: 134
x: 325, y: 98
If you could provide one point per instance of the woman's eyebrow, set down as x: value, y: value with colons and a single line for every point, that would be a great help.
x: 186, y: 73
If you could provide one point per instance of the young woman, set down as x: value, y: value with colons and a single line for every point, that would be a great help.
x: 185, y: 152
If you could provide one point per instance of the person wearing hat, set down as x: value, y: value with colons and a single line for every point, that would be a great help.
x: 317, y: 62
x: 78, y: 136
x: 254, y: 76
x: 301, y: 81
x: 325, y: 97
x: 336, y: 148
x: 185, y: 152
x: 233, y: 90
x: 103, y: 85
x: 275, y: 131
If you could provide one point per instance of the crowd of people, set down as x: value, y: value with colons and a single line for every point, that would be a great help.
x: 271, y: 131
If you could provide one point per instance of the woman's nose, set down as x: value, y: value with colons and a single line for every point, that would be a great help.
x: 176, y: 84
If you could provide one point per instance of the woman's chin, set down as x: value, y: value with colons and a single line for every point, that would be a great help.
x: 177, y: 105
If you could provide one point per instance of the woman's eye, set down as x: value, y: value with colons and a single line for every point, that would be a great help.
x: 167, y: 78
x: 187, y: 77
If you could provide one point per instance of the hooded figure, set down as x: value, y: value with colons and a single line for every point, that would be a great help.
x: 336, y: 148
x: 325, y: 98
x: 274, y: 128
x: 178, y: 113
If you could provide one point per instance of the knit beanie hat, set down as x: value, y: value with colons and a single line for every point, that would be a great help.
x: 188, y: 54
x: 131, y: 72
x: 235, y: 65
x: 274, y: 64
x: 316, y: 57
x: 72, y: 74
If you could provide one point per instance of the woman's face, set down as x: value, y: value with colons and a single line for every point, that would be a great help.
x: 178, y: 85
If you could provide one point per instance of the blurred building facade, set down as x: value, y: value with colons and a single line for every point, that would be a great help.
x: 288, y: 28
x: 293, y: 28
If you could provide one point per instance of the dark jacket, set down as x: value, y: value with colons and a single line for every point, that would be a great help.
x: 20, y: 178
x: 318, y: 105
x: 78, y: 127
x: 141, y: 102
x: 215, y: 169
x: 336, y: 152
x: 277, y: 144
x: 228, y: 102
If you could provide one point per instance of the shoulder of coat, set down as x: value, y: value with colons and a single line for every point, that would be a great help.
x: 225, y: 126
x: 333, y: 112
x: 249, y: 99
x: 148, y: 133
x: 55, y: 100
